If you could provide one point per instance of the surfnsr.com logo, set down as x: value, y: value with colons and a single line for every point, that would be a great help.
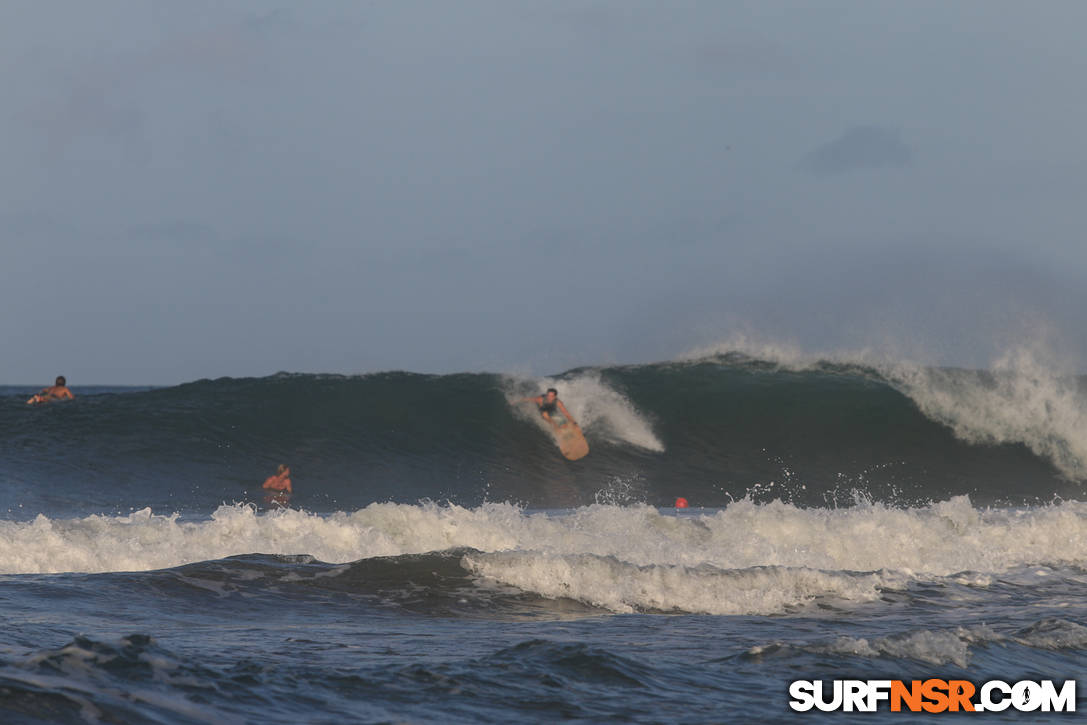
x: 932, y: 696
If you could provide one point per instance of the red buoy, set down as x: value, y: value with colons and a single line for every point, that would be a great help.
x: 681, y: 503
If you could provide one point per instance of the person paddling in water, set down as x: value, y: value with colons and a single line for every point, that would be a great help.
x: 59, y: 391
x: 549, y: 404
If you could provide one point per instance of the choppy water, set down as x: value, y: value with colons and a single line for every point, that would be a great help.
x: 439, y: 561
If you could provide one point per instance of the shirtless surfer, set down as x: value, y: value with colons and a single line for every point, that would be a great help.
x: 59, y: 391
x: 278, y: 487
x: 548, y: 403
x: 281, y: 481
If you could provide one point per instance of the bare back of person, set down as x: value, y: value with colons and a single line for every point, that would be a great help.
x: 59, y: 391
x: 281, y: 481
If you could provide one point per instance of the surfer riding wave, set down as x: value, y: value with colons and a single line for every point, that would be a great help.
x: 551, y: 407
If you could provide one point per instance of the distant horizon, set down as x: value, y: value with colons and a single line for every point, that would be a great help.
x: 784, y: 355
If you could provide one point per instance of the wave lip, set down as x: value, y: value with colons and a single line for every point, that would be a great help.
x: 955, y: 646
x: 1026, y: 397
x: 622, y: 587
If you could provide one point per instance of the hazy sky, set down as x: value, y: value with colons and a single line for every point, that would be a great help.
x: 197, y: 189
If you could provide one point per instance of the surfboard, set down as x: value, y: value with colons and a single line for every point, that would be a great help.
x: 571, y: 441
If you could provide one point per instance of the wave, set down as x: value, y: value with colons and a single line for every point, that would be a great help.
x: 745, y: 559
x: 619, y: 586
x: 1025, y: 397
x: 593, y: 403
x: 953, y: 646
x: 722, y: 424
x: 107, y: 681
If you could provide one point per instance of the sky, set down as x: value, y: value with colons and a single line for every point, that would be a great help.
x: 207, y: 189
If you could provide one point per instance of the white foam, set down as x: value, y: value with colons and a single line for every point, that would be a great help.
x: 596, y: 407
x: 623, y: 587
x: 936, y: 647
x: 1054, y: 634
x: 1028, y: 395
x: 745, y: 558
x: 1023, y: 400
x: 952, y: 646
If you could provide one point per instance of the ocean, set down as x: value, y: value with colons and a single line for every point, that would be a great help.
x: 439, y: 561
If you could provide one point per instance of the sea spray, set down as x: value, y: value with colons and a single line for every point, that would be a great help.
x: 941, y: 539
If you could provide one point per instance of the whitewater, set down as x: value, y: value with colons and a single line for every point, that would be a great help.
x: 439, y: 561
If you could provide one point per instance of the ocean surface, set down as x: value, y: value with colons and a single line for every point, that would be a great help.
x: 439, y: 561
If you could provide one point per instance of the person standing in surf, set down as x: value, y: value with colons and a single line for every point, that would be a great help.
x: 548, y: 404
x: 59, y: 391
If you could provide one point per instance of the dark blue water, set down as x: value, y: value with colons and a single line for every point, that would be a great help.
x: 439, y: 560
